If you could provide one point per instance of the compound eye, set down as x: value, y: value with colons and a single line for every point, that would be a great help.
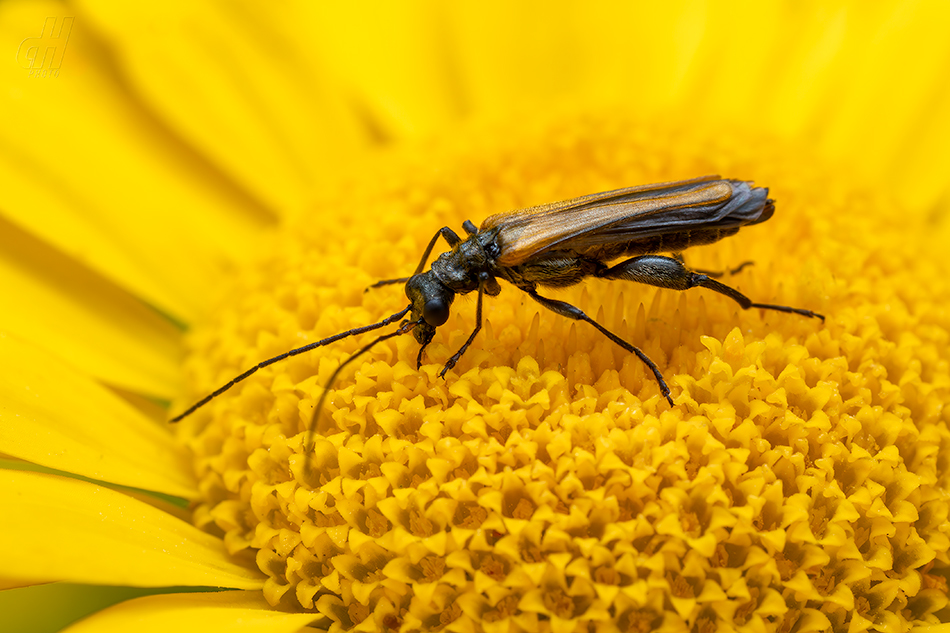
x: 435, y: 312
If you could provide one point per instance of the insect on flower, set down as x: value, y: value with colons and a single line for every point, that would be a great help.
x: 560, y: 244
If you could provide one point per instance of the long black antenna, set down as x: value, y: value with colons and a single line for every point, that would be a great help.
x: 293, y: 352
x: 312, y: 427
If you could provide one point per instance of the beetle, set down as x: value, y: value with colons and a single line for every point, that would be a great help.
x: 561, y: 244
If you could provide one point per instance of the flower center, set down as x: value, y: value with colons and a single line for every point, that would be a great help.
x: 801, y: 477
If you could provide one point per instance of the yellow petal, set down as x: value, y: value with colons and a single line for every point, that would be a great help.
x: 122, y: 341
x: 56, y: 417
x: 199, y: 612
x: 872, y: 70
x: 400, y: 60
x: 54, y: 528
x: 91, y: 173
x: 260, y: 102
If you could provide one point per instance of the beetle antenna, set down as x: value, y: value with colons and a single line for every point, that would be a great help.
x: 312, y: 427
x: 293, y: 352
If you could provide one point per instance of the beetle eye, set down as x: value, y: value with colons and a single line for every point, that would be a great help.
x: 435, y: 312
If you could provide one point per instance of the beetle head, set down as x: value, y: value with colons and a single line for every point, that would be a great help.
x: 431, y: 300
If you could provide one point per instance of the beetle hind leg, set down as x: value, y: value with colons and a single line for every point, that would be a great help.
x: 668, y: 272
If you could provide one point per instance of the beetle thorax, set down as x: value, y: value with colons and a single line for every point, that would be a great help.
x: 461, y: 267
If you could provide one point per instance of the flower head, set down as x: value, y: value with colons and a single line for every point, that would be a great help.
x: 544, y: 482
x: 222, y: 169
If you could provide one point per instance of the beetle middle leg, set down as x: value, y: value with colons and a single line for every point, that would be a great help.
x: 668, y: 272
x: 573, y: 312
x: 716, y: 274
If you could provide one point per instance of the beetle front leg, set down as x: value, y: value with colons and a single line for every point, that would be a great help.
x: 449, y: 364
x: 422, y: 347
x: 450, y: 236
x: 667, y: 272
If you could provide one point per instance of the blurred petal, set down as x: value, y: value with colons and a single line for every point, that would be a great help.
x: 543, y: 53
x: 198, y: 612
x: 259, y: 103
x: 64, y: 308
x: 55, y: 528
x: 399, y: 59
x: 875, y: 82
x: 55, y: 416
x: 92, y: 174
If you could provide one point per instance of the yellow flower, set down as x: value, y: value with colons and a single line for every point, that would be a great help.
x: 800, y: 482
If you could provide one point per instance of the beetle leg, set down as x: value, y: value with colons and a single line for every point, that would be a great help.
x: 478, y: 326
x: 450, y: 236
x: 387, y: 282
x: 719, y: 273
x: 573, y: 312
x: 667, y: 272
x: 422, y: 348
x: 678, y: 256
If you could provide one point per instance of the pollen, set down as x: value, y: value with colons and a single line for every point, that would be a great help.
x: 799, y: 482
